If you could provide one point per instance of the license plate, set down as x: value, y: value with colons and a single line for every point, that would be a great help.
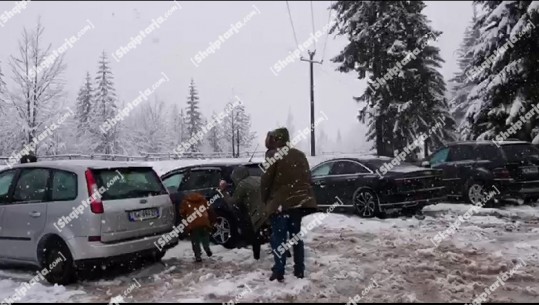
x: 142, y: 215
x: 530, y: 170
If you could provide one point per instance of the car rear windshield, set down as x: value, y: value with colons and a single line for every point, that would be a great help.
x: 518, y: 152
x: 123, y: 183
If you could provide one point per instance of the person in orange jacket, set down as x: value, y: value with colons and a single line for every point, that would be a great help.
x: 200, y: 218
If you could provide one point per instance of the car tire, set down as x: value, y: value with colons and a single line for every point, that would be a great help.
x: 57, y: 253
x: 366, y: 203
x: 158, y: 256
x: 474, y: 191
x: 225, y: 232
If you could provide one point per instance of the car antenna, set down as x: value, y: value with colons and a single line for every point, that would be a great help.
x: 252, y: 155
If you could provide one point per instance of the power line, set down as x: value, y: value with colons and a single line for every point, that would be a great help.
x: 327, y: 34
x: 312, y: 22
x: 292, y: 23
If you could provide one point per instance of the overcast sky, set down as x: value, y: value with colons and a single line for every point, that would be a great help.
x: 240, y: 67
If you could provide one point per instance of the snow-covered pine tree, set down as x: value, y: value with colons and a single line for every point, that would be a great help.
x: 229, y: 129
x: 506, y: 65
x: 389, y: 45
x: 462, y: 84
x: 215, y: 136
x: 178, y: 123
x: 244, y: 135
x: 84, y: 106
x: 104, y: 108
x: 193, y: 117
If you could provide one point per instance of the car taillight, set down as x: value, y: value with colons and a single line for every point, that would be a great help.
x: 502, y: 173
x: 96, y: 205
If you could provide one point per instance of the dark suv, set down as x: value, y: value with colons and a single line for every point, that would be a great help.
x: 472, y: 169
x: 205, y: 179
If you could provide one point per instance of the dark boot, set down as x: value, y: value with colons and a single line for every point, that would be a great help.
x: 276, y: 276
x: 298, y: 274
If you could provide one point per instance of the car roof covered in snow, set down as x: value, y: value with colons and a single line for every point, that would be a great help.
x: 81, y: 164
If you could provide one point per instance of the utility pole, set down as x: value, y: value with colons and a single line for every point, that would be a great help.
x: 311, y: 61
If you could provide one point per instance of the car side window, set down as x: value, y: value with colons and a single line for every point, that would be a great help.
x: 487, y: 152
x: 32, y: 185
x: 322, y: 169
x: 6, y: 179
x: 347, y: 168
x: 202, y: 179
x: 64, y: 186
x: 172, y: 183
x: 461, y: 153
x: 439, y: 157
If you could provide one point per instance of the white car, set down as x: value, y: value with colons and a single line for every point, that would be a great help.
x: 71, y: 214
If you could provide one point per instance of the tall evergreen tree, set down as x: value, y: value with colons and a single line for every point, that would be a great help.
x: 244, y: 135
x: 389, y: 45
x: 178, y: 121
x: 193, y: 118
x: 84, y: 106
x: 506, y: 65
x: 215, y: 136
x: 104, y: 108
x: 463, y: 83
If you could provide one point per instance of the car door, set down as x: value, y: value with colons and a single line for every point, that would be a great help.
x: 461, y: 162
x: 344, y: 178
x: 320, y: 182
x: 203, y: 180
x: 440, y: 160
x: 25, y: 214
x: 172, y: 182
x: 6, y: 184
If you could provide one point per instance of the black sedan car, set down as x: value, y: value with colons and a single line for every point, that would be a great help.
x: 204, y: 179
x: 356, y: 184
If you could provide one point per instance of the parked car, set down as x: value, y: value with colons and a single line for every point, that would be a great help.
x: 470, y: 169
x: 205, y: 178
x: 39, y: 225
x: 355, y: 182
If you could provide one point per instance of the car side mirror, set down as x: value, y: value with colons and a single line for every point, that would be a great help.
x: 425, y: 163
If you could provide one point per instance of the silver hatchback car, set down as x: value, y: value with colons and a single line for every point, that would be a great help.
x: 73, y: 214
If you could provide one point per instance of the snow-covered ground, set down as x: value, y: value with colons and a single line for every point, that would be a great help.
x: 344, y: 256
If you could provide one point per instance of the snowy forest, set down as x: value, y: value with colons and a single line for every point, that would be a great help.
x: 481, y: 100
x: 35, y: 104
x: 496, y: 83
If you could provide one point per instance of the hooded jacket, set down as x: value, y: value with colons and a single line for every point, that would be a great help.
x: 196, y: 211
x: 287, y: 182
x: 247, y: 193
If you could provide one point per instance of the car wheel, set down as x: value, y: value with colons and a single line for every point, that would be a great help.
x: 224, y: 230
x: 158, y: 256
x: 58, y: 263
x: 366, y: 203
x: 475, y: 192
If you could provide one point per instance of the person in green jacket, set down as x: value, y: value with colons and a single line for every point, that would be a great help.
x: 247, y: 197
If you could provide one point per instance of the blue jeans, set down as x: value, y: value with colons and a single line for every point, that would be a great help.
x: 281, y: 226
